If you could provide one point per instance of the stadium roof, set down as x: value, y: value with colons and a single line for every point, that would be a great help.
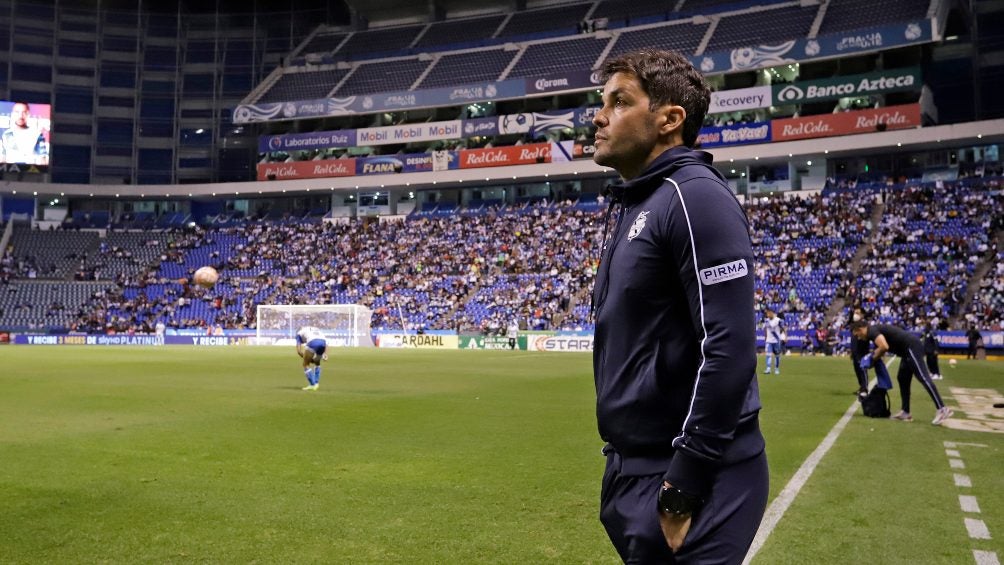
x: 397, y: 10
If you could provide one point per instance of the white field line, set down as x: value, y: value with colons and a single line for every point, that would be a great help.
x: 977, y: 528
x: 968, y: 503
x: 985, y: 557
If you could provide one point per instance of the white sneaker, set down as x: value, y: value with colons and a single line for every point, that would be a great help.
x: 936, y: 377
x: 943, y: 414
x: 766, y: 371
x: 902, y: 416
x: 777, y: 371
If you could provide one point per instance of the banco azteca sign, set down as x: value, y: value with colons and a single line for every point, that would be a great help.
x: 848, y: 86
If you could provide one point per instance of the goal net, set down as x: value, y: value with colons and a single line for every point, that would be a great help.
x: 344, y: 325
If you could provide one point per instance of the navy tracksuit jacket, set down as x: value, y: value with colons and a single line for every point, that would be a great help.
x: 675, y: 353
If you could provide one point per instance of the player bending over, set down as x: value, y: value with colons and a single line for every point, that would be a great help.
x: 310, y: 346
x: 911, y: 352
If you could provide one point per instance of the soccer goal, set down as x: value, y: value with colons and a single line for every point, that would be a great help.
x: 344, y: 325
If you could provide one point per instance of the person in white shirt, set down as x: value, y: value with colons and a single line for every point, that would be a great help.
x: 773, y: 332
x: 512, y: 332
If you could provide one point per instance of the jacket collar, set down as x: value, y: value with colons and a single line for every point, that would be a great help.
x: 664, y: 165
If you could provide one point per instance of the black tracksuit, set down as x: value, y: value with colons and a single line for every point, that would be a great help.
x: 675, y: 363
x: 911, y: 353
x: 860, y: 348
x: 930, y: 341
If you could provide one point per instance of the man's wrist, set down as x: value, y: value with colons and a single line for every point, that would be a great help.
x: 675, y: 502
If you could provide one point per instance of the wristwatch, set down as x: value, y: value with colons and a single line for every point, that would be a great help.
x: 675, y: 502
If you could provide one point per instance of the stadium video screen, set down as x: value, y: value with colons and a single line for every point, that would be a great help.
x: 25, y: 133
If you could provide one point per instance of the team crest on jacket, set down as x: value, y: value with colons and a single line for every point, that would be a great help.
x: 638, y: 225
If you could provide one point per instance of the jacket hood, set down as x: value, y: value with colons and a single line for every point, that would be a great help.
x: 661, y: 167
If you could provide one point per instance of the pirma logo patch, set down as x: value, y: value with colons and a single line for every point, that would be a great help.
x: 724, y: 272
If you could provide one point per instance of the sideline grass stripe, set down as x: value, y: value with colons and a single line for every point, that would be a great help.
x: 777, y: 508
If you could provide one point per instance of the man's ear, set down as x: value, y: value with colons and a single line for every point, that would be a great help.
x: 673, y: 117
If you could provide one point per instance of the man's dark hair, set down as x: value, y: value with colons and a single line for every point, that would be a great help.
x: 858, y: 325
x: 667, y: 77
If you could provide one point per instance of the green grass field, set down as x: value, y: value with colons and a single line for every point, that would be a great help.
x: 215, y: 455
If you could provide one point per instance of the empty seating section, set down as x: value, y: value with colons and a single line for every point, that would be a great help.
x: 786, y: 20
x: 50, y: 254
x: 323, y: 43
x: 683, y: 37
x: 371, y: 43
x: 466, y: 68
x: 558, y: 57
x: 387, y: 76
x: 628, y: 12
x: 26, y: 305
x: 559, y: 19
x: 128, y: 254
x: 843, y: 15
x: 469, y: 31
x: 747, y: 30
x: 306, y: 85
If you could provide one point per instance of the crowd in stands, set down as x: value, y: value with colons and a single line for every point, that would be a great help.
x: 924, y: 252
x: 475, y: 272
x: 987, y: 309
x: 533, y: 264
x: 803, y: 248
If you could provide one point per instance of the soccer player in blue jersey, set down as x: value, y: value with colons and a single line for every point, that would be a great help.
x: 772, y: 347
x: 311, y: 346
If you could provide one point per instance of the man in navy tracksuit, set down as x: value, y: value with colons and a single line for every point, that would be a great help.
x: 675, y: 345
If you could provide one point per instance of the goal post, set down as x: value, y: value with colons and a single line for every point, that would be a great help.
x: 344, y: 325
